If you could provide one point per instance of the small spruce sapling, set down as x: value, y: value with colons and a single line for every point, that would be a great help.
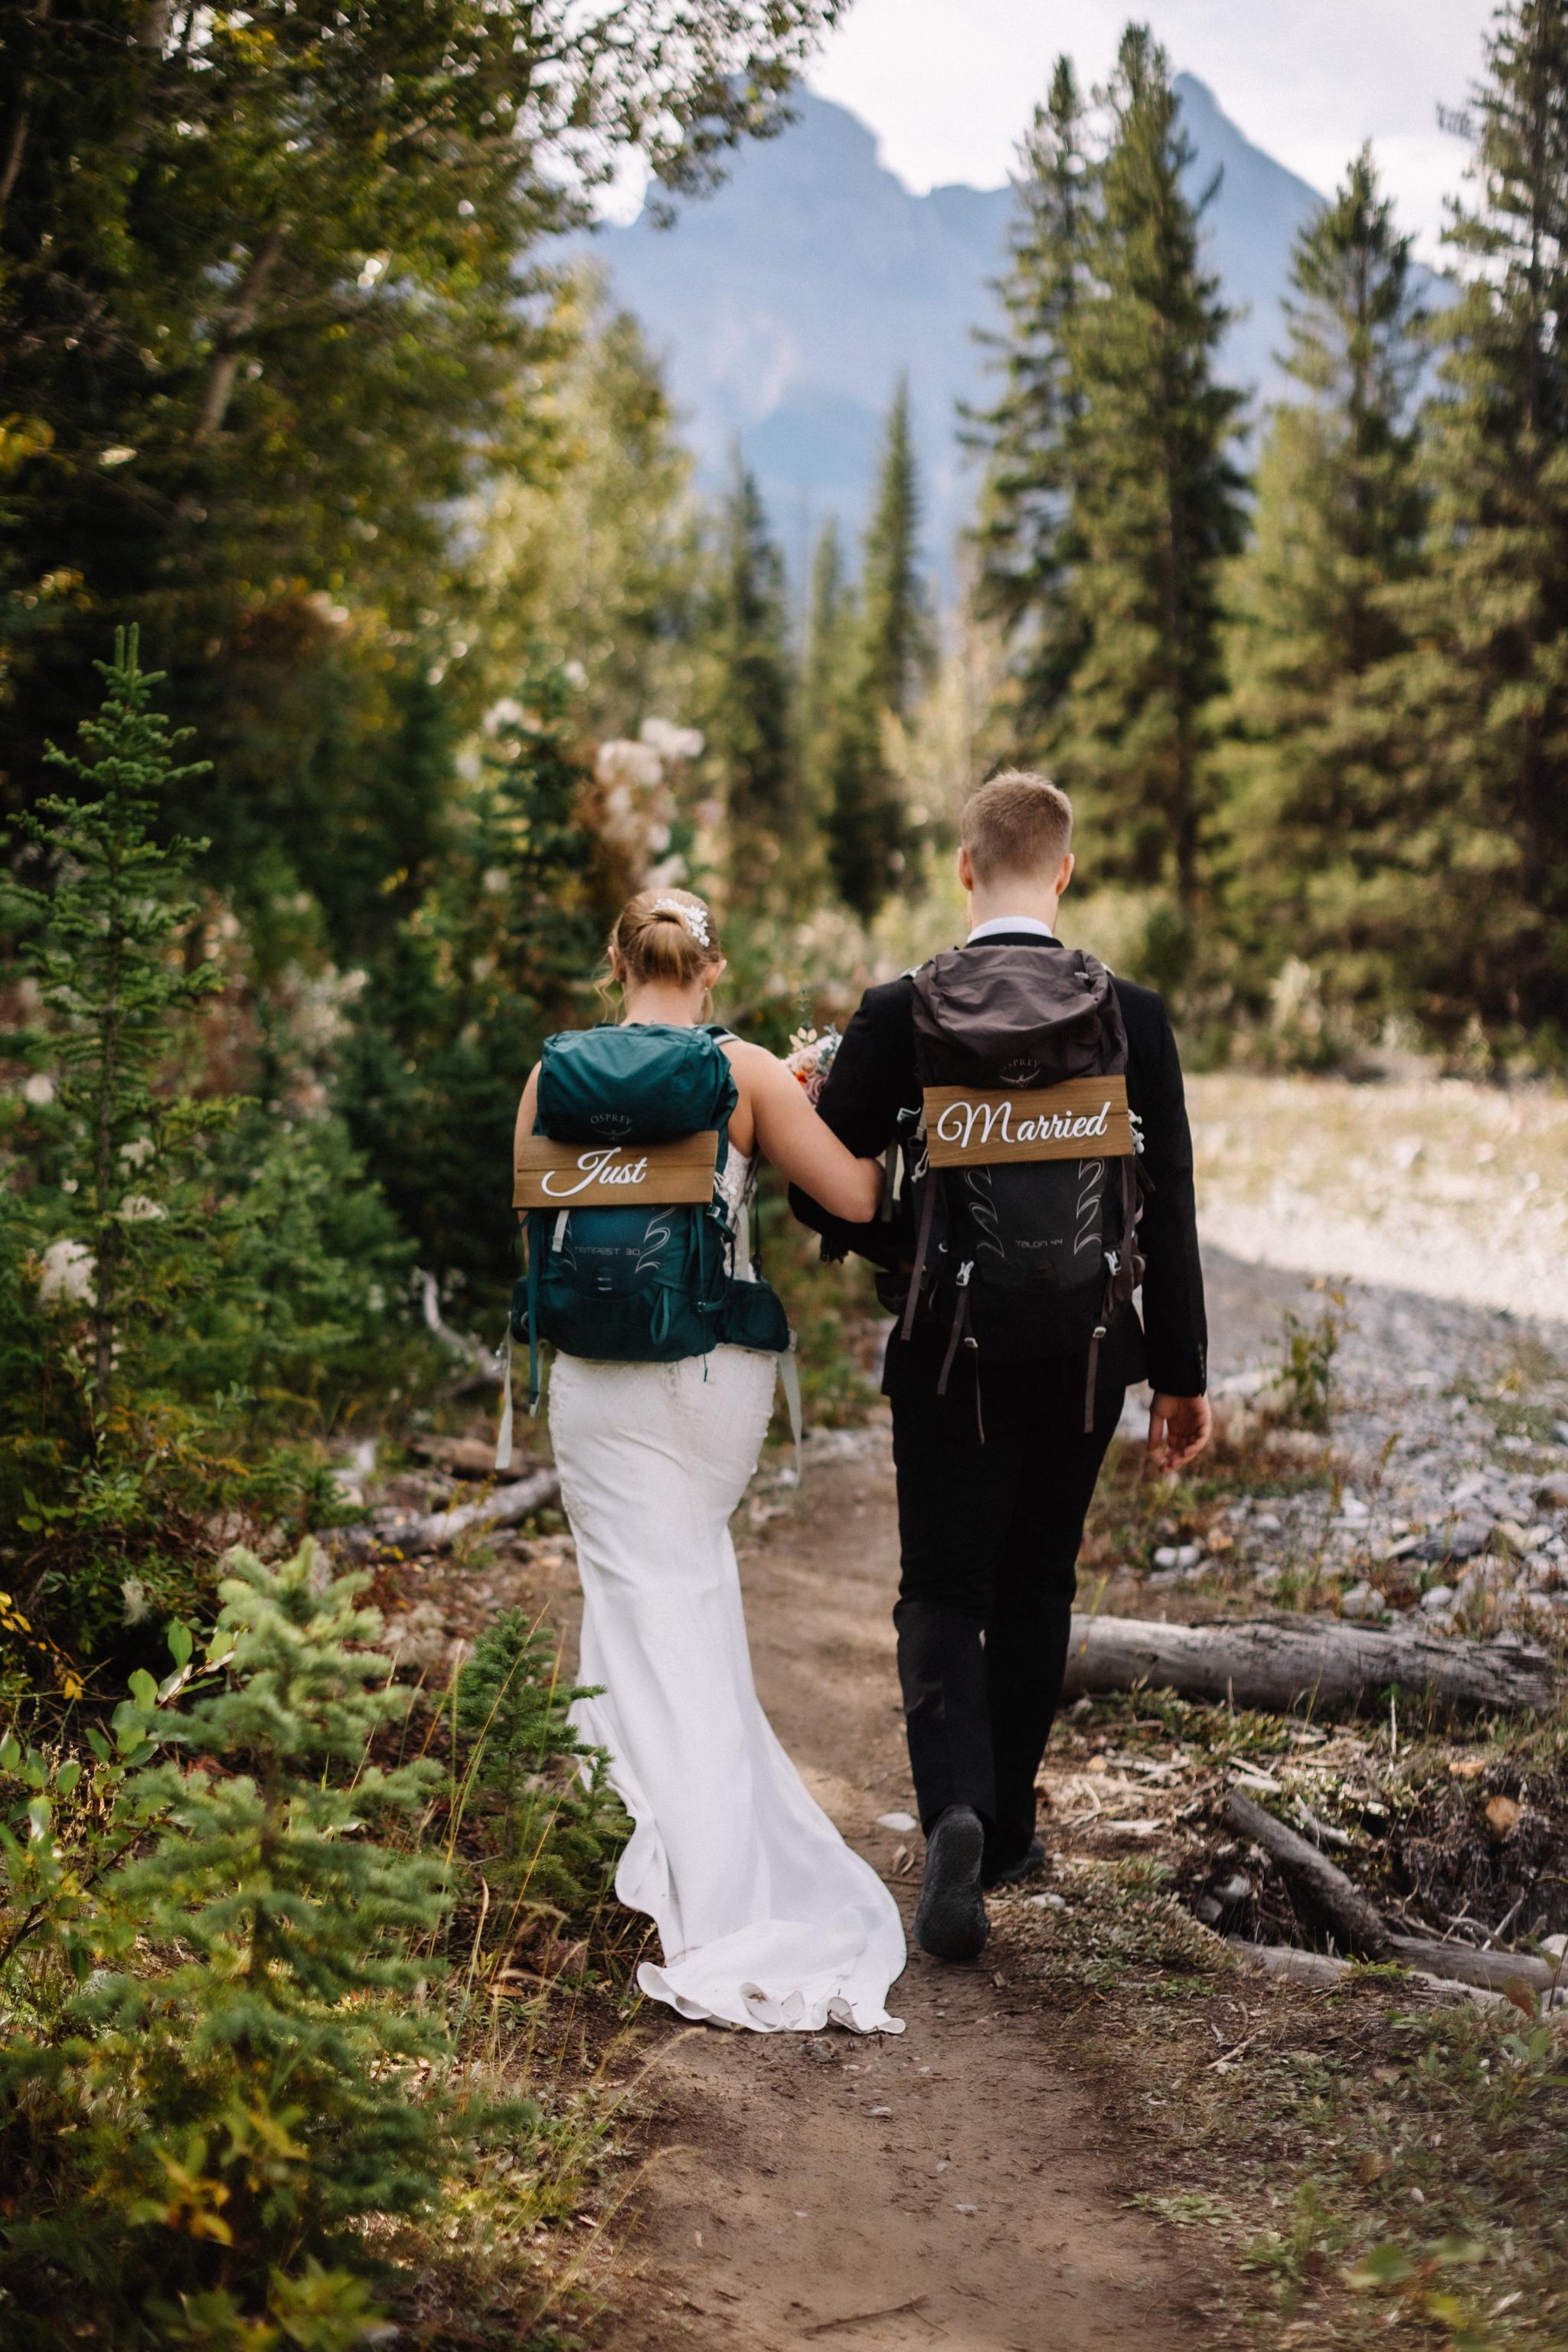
x: 246, y: 2067
x: 557, y: 1829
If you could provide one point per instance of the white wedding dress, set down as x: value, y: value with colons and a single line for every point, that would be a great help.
x: 766, y: 1917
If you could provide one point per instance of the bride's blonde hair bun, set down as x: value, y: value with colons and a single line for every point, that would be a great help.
x: 666, y: 938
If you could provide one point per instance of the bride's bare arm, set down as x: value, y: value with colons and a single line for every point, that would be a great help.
x: 525, y: 1109
x: 799, y: 1144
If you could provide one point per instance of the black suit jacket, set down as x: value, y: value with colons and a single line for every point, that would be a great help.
x: 875, y: 1076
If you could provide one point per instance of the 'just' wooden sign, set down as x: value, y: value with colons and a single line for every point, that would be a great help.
x: 1083, y: 1118
x: 550, y: 1175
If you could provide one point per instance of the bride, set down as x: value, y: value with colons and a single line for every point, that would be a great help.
x: 766, y: 1917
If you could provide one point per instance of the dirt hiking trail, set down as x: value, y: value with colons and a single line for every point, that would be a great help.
x: 948, y: 2187
x: 953, y: 2187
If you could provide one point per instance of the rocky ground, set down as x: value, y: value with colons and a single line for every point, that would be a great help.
x: 1435, y: 1482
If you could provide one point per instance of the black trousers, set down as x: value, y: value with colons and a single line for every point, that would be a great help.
x: 989, y: 1533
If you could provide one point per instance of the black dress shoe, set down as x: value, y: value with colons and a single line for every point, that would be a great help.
x: 950, y: 1918
x: 1014, y: 1873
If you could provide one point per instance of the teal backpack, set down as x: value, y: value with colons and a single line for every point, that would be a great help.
x: 641, y: 1285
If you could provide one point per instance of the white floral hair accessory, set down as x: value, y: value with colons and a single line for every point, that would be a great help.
x: 694, y: 918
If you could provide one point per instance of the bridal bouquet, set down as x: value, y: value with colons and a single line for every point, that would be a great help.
x: 811, y: 1056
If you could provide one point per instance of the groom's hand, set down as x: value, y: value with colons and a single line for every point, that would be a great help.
x: 1179, y: 1428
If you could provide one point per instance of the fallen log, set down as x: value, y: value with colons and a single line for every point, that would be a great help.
x: 1293, y: 1666
x: 1358, y: 1923
x: 1467, y: 1964
x: 417, y: 1531
x: 1323, y: 1969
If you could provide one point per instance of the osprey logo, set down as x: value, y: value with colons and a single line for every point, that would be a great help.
x: 1019, y: 1074
x: 610, y: 1122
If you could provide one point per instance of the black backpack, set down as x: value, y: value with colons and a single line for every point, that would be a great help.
x: 1024, y: 1244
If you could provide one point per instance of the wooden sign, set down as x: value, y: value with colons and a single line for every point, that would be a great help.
x: 550, y: 1175
x: 974, y: 1126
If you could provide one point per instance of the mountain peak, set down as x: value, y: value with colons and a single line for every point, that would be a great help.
x: 786, y: 305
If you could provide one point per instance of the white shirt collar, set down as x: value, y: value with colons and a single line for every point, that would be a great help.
x: 1030, y: 923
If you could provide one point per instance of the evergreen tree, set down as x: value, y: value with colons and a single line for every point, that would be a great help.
x: 259, y: 317
x: 492, y: 957
x: 221, y: 2055
x: 1482, y: 704
x: 831, y: 624
x: 750, y: 729
x: 1156, y: 497
x: 1315, y: 788
x: 893, y: 662
x: 1024, y: 534
x: 101, y: 934
x: 898, y: 648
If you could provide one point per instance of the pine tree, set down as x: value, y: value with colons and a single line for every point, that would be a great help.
x: 1025, y: 536
x: 749, y: 732
x: 101, y: 943
x: 1315, y: 790
x: 242, y: 2063
x: 1482, y: 704
x: 899, y: 647
x: 829, y: 627
x: 1156, y: 497
x: 893, y: 663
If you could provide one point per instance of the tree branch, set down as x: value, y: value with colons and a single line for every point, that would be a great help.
x: 235, y: 324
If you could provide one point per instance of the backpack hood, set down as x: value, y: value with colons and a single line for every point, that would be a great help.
x: 1017, y: 1016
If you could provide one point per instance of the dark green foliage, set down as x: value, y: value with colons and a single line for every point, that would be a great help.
x: 1155, y: 498
x: 896, y: 622
x: 259, y: 298
x: 880, y: 685
x: 1024, y: 532
x: 549, y: 1836
x: 750, y: 733
x: 182, y: 1277
x: 1316, y: 817
x: 494, y: 956
x: 96, y: 934
x: 215, y: 2063
x: 1480, y: 704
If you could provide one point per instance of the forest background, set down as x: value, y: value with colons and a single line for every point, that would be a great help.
x: 434, y: 655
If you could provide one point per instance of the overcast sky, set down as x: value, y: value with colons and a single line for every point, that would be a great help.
x: 948, y: 85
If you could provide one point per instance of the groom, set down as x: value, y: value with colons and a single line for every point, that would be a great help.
x: 996, y: 1466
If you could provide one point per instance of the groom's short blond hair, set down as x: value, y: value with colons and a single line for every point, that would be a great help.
x: 1019, y: 824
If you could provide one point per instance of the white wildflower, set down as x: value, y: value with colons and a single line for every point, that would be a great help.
x: 671, y: 742
x: 137, y: 1209
x: 66, y: 1275
x: 620, y: 762
x: 135, y: 1152
x: 38, y: 1090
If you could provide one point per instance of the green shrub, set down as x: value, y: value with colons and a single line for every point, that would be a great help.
x: 218, y: 2058
x: 180, y: 1280
x: 548, y: 1829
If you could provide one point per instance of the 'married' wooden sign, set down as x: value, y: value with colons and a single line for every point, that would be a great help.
x: 1083, y: 1118
x: 549, y: 1175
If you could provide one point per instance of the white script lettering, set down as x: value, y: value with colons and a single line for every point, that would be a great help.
x: 598, y: 1167
x: 971, y: 1124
